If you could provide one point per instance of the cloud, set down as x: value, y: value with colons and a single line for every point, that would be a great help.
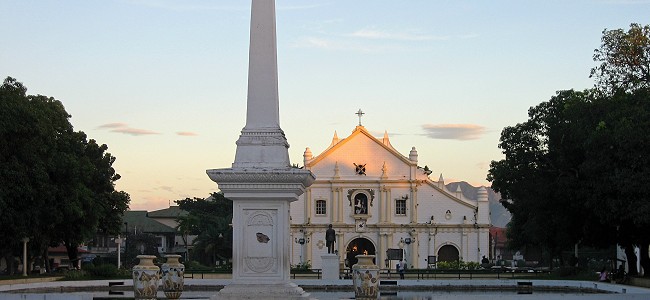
x: 337, y: 44
x: 627, y: 1
x: 150, y: 203
x: 461, y: 132
x: 134, y: 131
x: 124, y: 128
x: 187, y: 5
x: 166, y: 188
x: 112, y: 125
x: 468, y: 36
x: 300, y: 7
x: 186, y: 133
x: 400, y: 36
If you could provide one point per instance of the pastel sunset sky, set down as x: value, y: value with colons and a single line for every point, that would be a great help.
x: 163, y: 82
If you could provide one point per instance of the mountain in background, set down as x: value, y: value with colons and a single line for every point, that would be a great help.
x: 499, y: 215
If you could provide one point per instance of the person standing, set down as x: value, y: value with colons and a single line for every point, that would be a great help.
x: 400, y: 268
x: 330, y: 239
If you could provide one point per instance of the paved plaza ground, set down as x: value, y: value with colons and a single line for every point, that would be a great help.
x: 501, y: 289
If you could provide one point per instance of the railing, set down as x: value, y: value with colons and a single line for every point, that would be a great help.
x: 311, y: 274
x: 295, y: 274
x: 496, y: 273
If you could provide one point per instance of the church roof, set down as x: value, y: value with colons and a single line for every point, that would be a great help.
x: 359, y: 131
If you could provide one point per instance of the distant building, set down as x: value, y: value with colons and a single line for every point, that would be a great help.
x: 160, y: 223
x: 378, y: 199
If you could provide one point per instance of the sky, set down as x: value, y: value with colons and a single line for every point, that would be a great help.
x: 163, y: 83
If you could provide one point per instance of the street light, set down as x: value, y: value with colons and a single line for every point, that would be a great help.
x: 302, y: 241
x: 126, y: 234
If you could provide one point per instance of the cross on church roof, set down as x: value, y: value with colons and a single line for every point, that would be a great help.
x: 360, y: 114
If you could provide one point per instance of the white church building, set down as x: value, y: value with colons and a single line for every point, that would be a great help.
x: 380, y: 201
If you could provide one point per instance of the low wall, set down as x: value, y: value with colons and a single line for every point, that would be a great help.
x: 642, y: 282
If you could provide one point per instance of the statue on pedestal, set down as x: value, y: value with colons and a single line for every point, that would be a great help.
x: 330, y: 239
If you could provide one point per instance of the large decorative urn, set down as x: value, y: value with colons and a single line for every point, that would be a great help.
x: 172, y: 276
x: 365, y: 278
x: 145, y: 278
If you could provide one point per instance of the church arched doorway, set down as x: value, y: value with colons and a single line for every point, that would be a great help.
x: 448, y: 253
x: 356, y: 247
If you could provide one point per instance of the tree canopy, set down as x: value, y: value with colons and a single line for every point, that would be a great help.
x: 576, y: 170
x: 625, y: 59
x: 56, y: 185
x: 210, y: 220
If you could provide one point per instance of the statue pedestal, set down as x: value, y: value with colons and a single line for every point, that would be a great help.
x: 330, y: 266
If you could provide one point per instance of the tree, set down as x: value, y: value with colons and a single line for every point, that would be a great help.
x: 625, y: 59
x: 29, y: 127
x: 57, y: 186
x: 617, y: 173
x: 537, y: 176
x: 576, y: 171
x: 209, y: 219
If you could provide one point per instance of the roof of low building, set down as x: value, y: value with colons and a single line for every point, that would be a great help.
x: 170, y: 212
x: 138, y: 221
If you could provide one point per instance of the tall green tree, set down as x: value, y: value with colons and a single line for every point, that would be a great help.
x: 624, y: 58
x: 617, y: 171
x: 538, y: 175
x: 210, y: 219
x: 577, y: 171
x: 56, y: 186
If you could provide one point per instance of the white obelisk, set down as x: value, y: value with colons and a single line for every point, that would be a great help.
x: 261, y: 182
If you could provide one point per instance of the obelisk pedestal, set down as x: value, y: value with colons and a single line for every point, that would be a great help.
x: 261, y: 182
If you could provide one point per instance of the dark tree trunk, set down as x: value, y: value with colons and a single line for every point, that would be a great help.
x: 46, y: 258
x: 550, y: 259
x: 631, y: 260
x: 73, y: 254
x: 645, y: 258
x: 9, y: 259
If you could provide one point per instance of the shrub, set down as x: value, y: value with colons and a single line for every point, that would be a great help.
x: 105, y: 270
x: 566, y: 271
x: 196, y: 266
x: 303, y: 266
x: 76, y: 275
x: 458, y: 265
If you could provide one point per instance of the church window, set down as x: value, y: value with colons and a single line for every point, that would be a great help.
x: 400, y: 206
x: 360, y: 169
x: 321, y: 207
x: 361, y: 204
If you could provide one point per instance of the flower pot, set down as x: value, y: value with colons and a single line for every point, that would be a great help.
x: 172, y: 276
x: 145, y: 278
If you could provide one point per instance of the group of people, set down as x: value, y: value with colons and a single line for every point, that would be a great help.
x: 620, y: 276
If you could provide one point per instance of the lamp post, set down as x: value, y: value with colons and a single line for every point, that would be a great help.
x: 126, y: 248
x: 25, y: 241
x: 302, y: 242
x: 405, y: 241
x: 118, y: 240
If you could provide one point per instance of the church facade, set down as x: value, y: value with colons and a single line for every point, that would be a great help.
x: 381, y: 202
